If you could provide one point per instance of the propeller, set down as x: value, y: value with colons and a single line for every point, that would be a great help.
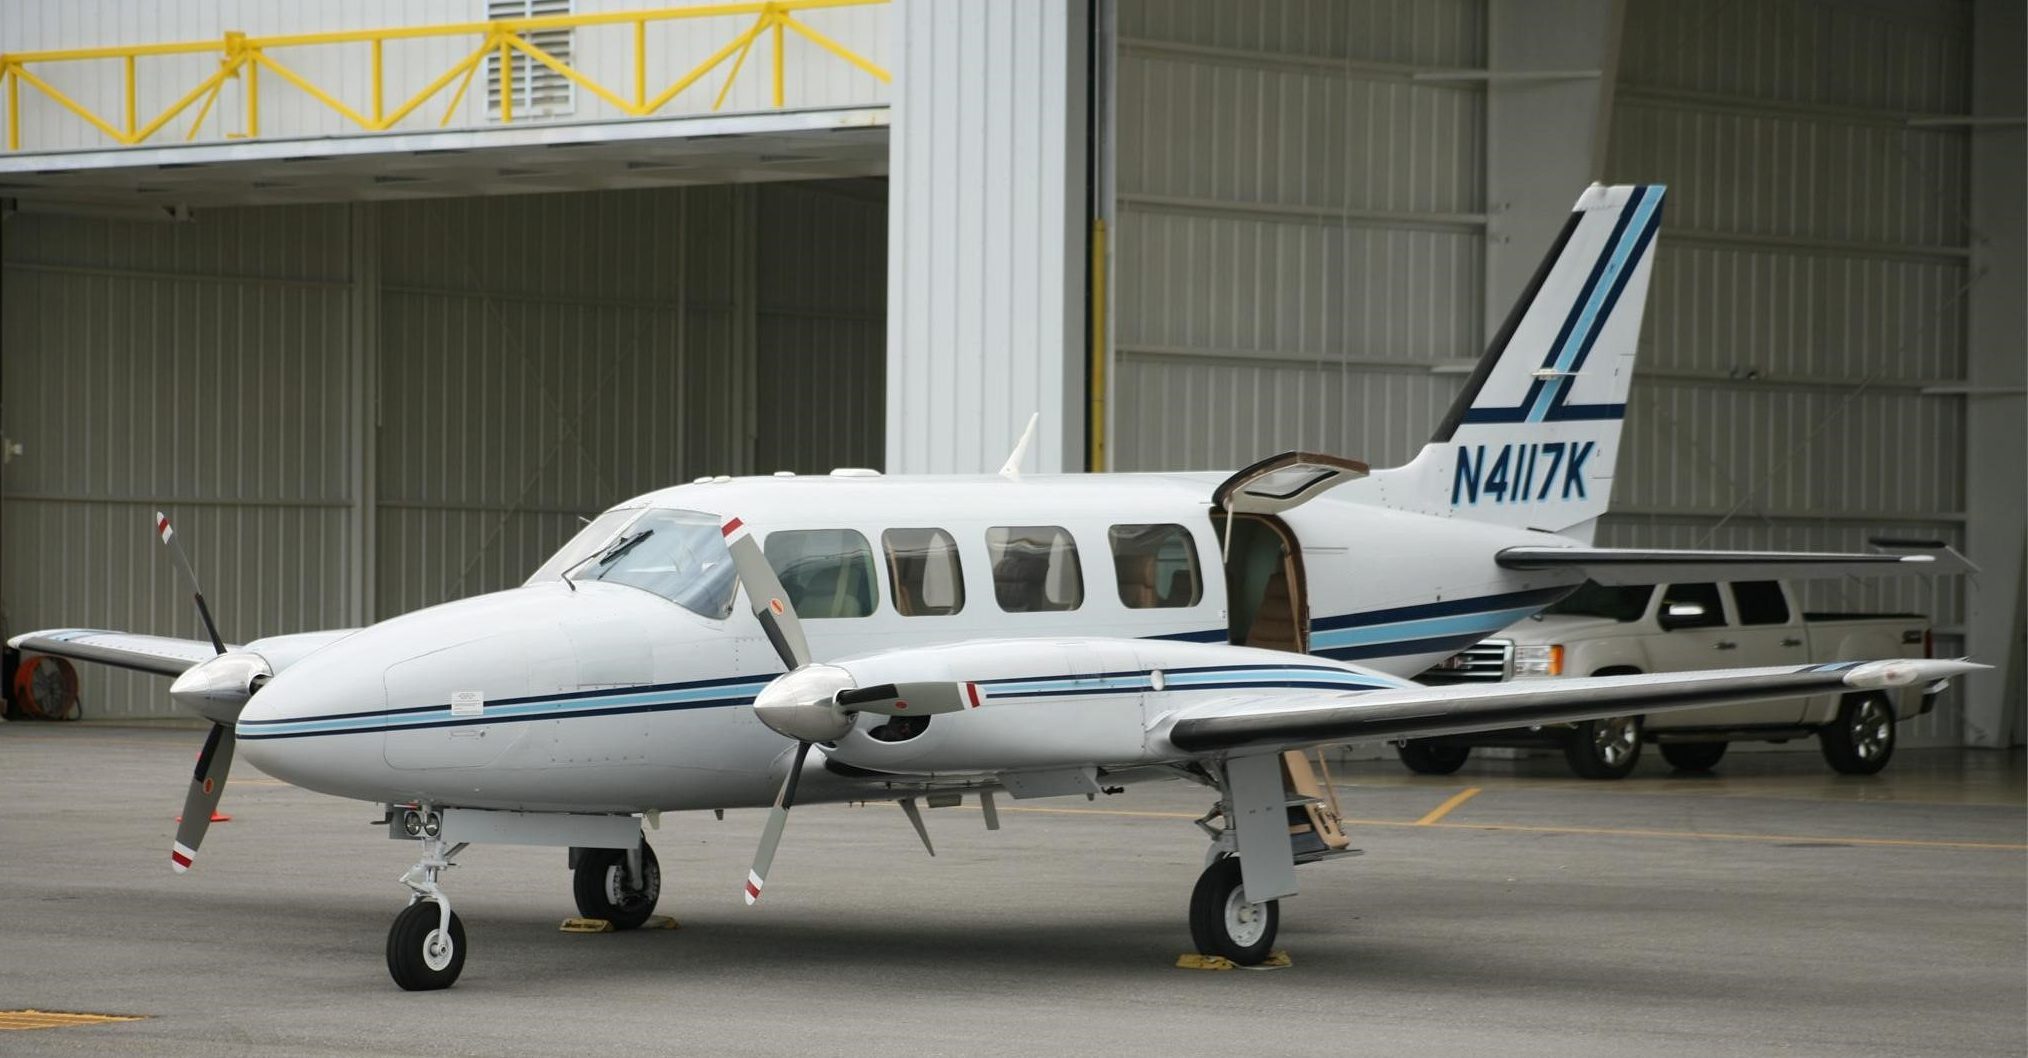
x: 812, y: 702
x: 206, y: 689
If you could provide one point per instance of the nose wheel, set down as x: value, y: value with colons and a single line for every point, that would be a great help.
x: 426, y: 947
x: 426, y: 944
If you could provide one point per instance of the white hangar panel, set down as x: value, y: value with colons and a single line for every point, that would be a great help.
x: 1298, y: 228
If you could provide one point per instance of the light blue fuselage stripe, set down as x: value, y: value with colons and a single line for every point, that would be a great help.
x: 1428, y: 628
x: 1629, y: 238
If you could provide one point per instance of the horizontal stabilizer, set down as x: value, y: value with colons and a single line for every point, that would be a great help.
x: 1287, y: 722
x: 1610, y: 565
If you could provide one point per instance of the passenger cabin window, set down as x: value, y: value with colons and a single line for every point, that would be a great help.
x: 1156, y: 566
x: 1035, y: 568
x: 827, y: 572
x: 1761, y: 602
x: 1690, y: 606
x: 924, y: 573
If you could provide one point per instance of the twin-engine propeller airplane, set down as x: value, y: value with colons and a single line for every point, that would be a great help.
x: 920, y: 638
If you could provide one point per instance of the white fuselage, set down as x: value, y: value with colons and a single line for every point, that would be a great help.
x: 594, y: 696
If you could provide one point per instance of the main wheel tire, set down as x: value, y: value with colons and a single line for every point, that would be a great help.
x: 418, y: 958
x: 1223, y: 922
x: 1693, y: 756
x: 601, y: 890
x: 1861, y: 740
x: 1424, y: 757
x: 1604, y: 749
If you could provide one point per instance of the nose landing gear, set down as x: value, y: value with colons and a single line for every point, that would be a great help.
x: 426, y: 944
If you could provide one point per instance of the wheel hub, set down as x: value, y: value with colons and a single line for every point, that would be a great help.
x: 1615, y: 739
x: 1245, y: 922
x: 437, y: 950
x: 1872, y: 731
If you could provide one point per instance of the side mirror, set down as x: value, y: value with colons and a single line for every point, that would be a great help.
x: 1682, y: 614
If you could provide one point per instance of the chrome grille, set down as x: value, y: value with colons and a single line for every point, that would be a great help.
x: 1487, y: 661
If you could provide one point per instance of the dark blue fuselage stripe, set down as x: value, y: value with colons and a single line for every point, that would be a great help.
x: 1451, y: 608
x: 561, y: 696
x: 1438, y: 645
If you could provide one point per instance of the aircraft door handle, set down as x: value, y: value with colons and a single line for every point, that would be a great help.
x: 1726, y: 644
x: 1791, y: 641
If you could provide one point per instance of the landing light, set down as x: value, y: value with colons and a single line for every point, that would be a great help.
x: 411, y: 823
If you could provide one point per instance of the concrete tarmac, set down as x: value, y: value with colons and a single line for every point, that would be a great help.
x: 1771, y: 909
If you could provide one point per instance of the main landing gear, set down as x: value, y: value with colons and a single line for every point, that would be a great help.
x: 1276, y: 815
x: 618, y: 885
x: 426, y: 945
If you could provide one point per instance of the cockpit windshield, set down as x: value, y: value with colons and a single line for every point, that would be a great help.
x: 679, y: 555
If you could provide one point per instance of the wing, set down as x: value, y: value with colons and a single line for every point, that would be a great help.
x: 1289, y: 720
x: 160, y: 655
x: 1611, y: 565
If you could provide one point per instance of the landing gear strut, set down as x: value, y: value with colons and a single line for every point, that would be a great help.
x: 426, y: 945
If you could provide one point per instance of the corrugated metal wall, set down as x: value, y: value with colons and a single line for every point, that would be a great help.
x: 1299, y: 232
x: 522, y: 361
x: 1300, y: 242
x: 1809, y: 286
x: 815, y: 78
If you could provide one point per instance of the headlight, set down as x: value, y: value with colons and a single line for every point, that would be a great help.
x: 1539, y: 660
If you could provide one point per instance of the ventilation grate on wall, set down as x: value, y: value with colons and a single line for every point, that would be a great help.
x: 538, y: 90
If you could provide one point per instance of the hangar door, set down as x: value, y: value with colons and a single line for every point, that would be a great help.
x: 354, y: 410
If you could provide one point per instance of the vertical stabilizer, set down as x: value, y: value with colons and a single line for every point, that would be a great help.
x: 1533, y: 440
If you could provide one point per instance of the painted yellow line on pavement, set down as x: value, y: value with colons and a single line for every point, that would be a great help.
x: 56, y: 1019
x: 1617, y: 832
x: 1444, y: 809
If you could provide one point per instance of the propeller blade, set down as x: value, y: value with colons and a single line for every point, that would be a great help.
x: 202, y: 800
x: 764, y: 590
x: 912, y: 699
x: 778, y: 817
x: 168, y: 534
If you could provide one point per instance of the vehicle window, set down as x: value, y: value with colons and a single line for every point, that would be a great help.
x: 923, y: 572
x: 1035, y: 568
x: 1687, y: 596
x: 1625, y: 602
x: 1761, y: 602
x: 588, y: 542
x: 1156, y: 566
x: 827, y: 572
x: 679, y: 555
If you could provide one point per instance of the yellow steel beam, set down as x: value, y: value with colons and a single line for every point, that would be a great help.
x: 746, y: 46
x: 454, y: 29
x: 503, y: 37
x: 545, y: 58
x: 838, y: 49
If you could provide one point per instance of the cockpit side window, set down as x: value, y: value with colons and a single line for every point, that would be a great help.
x: 827, y: 572
x: 679, y: 555
x: 1155, y: 566
x: 1035, y: 568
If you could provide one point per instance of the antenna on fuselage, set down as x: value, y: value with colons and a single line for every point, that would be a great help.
x: 1011, y: 469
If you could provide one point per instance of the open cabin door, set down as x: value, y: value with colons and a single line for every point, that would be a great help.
x: 1266, y: 602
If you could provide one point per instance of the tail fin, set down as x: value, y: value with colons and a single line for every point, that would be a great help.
x: 1532, y: 440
